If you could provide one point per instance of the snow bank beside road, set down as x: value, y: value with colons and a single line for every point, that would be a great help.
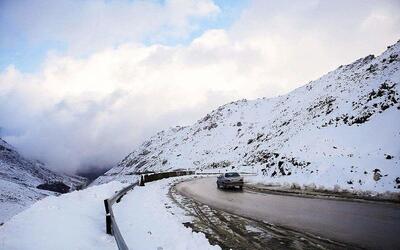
x: 70, y: 221
x: 148, y: 219
x: 77, y: 221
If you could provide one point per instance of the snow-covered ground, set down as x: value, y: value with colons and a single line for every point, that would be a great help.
x: 146, y: 217
x: 70, y: 221
x: 15, y: 197
x: 19, y: 178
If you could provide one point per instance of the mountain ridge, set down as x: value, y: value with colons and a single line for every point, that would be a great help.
x: 339, y: 131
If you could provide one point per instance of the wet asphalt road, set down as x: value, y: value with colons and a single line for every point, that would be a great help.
x: 367, y: 225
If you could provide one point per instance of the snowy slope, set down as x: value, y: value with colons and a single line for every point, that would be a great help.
x: 19, y: 178
x: 76, y: 221
x: 69, y: 221
x: 342, y: 130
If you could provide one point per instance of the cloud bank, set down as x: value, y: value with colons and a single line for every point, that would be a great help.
x: 87, y: 26
x: 79, y: 111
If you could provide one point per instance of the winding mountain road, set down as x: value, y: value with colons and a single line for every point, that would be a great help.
x: 366, y: 225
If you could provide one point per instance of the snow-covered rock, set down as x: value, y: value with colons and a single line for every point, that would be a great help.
x: 342, y: 130
x: 20, y: 177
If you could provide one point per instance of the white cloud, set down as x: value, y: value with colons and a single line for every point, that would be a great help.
x: 87, y: 26
x: 77, y: 112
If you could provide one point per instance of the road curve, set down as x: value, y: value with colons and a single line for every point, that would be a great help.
x: 367, y: 225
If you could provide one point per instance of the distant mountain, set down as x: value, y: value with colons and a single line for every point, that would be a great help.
x: 92, y: 173
x: 24, y: 181
x: 342, y: 130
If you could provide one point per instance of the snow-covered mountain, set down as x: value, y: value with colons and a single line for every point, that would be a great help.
x: 342, y: 130
x: 20, y: 179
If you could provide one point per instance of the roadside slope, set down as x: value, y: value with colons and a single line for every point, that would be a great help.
x: 146, y: 217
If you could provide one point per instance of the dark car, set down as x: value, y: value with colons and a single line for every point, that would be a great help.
x: 232, y: 179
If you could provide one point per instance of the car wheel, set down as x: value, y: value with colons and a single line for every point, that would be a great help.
x: 241, y: 187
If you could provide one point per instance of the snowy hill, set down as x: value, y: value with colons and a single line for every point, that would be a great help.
x: 342, y: 130
x: 20, y: 177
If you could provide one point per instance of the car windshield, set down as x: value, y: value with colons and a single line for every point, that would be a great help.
x: 231, y: 175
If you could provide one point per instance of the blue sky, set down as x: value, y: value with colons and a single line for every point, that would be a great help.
x: 26, y: 51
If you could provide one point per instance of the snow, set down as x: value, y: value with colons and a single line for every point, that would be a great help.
x: 71, y: 221
x: 334, y: 131
x: 15, y: 198
x: 77, y: 221
x: 18, y: 180
x: 146, y: 223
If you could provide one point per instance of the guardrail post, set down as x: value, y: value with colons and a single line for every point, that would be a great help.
x: 108, y: 216
x: 108, y: 224
x: 141, y: 182
x: 106, y: 206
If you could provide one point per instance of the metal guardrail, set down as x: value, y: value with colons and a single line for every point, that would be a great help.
x: 162, y: 175
x: 218, y: 173
x: 111, y: 224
